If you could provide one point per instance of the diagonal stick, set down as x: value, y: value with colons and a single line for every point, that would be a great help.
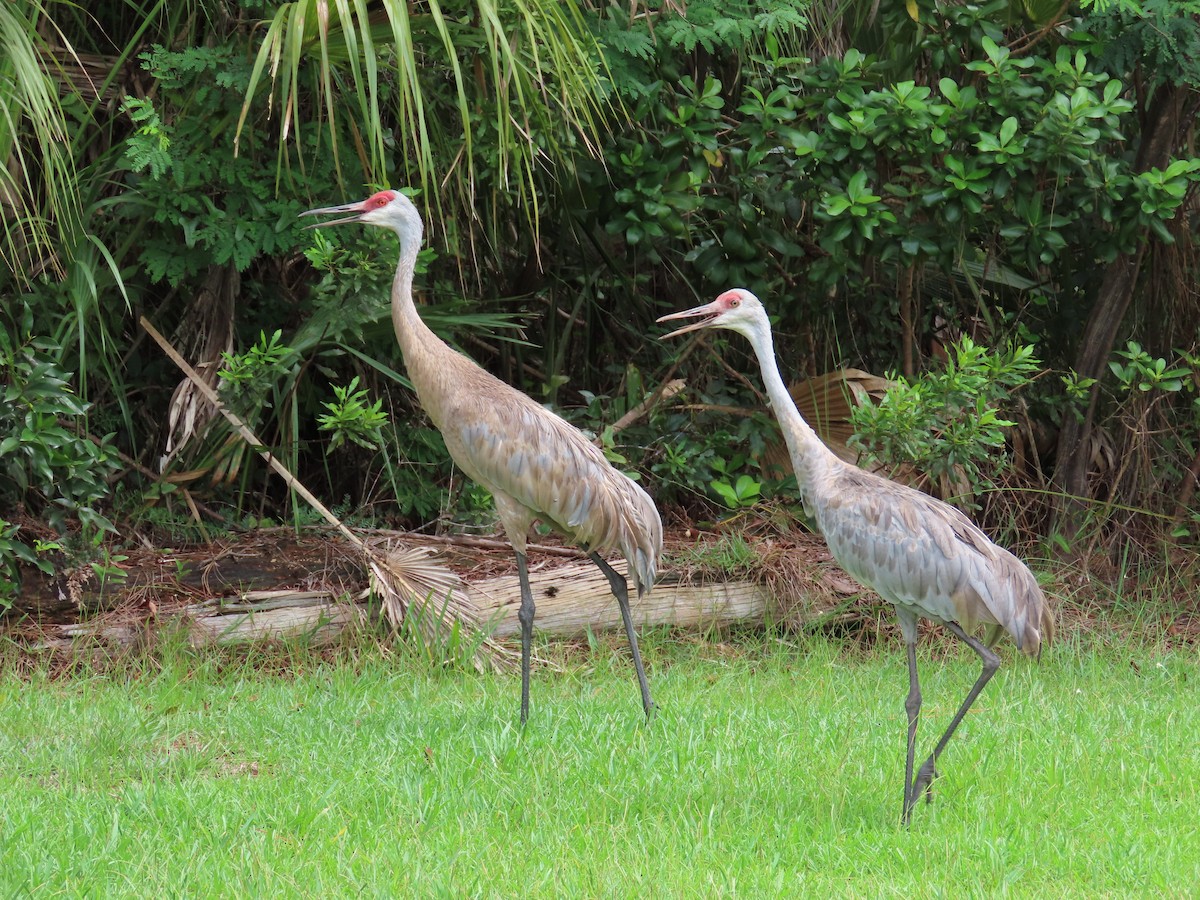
x: 377, y: 561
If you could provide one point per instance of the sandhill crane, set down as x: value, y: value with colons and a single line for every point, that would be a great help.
x: 535, y: 464
x: 922, y: 555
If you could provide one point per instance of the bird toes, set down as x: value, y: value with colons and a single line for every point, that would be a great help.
x: 923, y: 783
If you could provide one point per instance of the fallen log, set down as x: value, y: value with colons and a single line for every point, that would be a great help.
x: 316, y: 616
x: 571, y: 600
x: 575, y: 598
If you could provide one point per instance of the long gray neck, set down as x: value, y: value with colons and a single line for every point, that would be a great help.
x: 420, y: 346
x: 810, y: 457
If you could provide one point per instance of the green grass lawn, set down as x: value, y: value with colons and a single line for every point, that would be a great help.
x: 773, y: 768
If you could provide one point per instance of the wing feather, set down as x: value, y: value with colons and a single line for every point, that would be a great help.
x: 928, y: 557
x: 513, y: 446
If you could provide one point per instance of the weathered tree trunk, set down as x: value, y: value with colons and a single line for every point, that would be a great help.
x: 1168, y: 120
x: 570, y: 600
x: 574, y: 598
x: 1099, y: 336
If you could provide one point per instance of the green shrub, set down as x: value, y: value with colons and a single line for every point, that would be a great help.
x: 46, y: 465
x: 947, y: 424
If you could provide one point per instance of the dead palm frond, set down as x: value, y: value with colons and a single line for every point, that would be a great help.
x: 826, y: 401
x: 420, y: 594
x: 208, y: 333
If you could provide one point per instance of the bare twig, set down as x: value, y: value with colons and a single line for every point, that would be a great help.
x: 135, y: 466
x: 665, y: 391
x: 462, y: 540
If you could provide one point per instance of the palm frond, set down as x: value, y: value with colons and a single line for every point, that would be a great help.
x: 826, y: 402
x: 37, y: 173
x: 422, y: 595
x: 437, y: 84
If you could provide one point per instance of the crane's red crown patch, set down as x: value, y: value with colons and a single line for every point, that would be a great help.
x: 380, y: 200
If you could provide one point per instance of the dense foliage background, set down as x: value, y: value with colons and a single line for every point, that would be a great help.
x: 990, y: 203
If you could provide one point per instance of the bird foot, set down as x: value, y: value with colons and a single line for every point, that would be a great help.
x: 923, y: 783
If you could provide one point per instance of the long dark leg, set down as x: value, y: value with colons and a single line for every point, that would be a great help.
x: 991, y: 662
x: 912, y: 705
x: 621, y: 591
x: 525, y: 617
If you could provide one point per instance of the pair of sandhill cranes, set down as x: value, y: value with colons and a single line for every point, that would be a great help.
x: 920, y: 554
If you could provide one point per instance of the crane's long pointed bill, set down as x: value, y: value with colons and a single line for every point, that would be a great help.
x: 356, y: 208
x: 708, y: 311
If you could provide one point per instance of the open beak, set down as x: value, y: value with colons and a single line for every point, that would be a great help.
x: 709, y: 311
x: 356, y: 208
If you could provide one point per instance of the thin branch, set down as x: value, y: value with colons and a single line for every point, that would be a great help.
x: 250, y: 437
x: 462, y: 540
x: 135, y: 466
x: 391, y: 580
x: 662, y: 393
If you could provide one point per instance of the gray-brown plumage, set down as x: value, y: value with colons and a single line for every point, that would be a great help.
x: 536, y: 465
x: 922, y: 555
